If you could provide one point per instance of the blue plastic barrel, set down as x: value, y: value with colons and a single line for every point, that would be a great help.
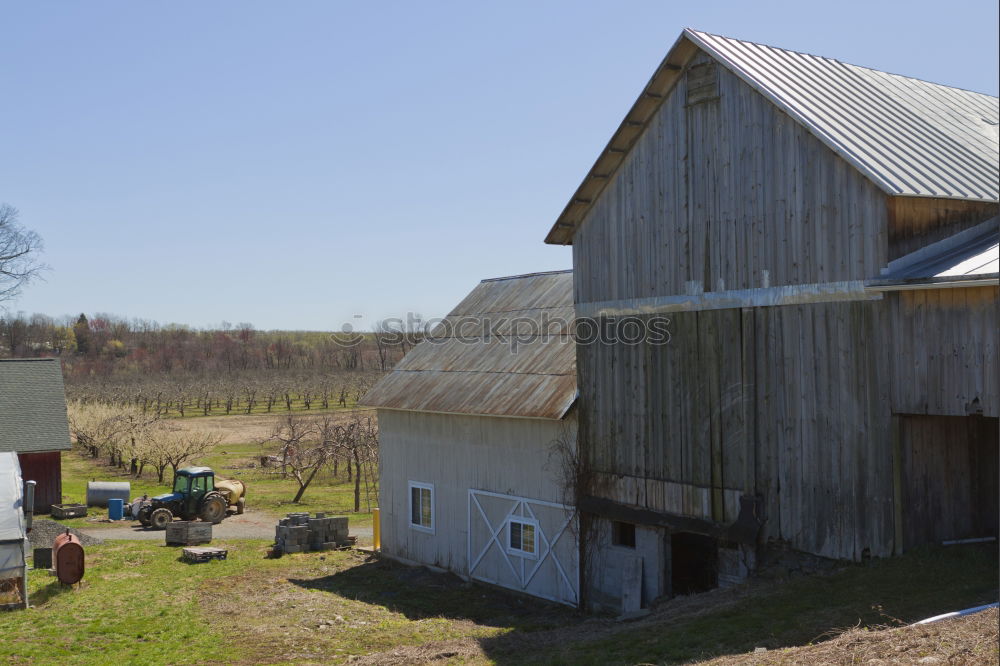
x: 115, y: 508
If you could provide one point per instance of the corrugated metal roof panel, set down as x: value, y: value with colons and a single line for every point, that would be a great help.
x: 910, y: 137
x: 472, y: 364
x: 32, y: 406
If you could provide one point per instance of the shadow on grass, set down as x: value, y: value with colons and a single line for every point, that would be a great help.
x: 786, y: 613
x: 418, y: 593
x: 798, y: 611
x: 45, y: 594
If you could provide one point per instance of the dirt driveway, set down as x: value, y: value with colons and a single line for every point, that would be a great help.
x: 251, y: 525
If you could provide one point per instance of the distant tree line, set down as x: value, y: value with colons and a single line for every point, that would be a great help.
x: 181, y: 371
x: 105, y: 345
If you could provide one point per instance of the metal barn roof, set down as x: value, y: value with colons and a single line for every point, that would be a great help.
x: 506, y: 350
x: 910, y: 137
x: 971, y: 257
x: 32, y: 406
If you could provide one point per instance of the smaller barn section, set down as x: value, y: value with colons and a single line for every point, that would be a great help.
x: 942, y: 303
x: 476, y: 426
x: 33, y: 423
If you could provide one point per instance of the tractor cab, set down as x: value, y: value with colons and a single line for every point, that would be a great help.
x: 191, y: 484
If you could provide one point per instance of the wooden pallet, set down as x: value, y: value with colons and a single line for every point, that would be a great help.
x: 204, y: 554
x: 188, y: 533
x: 60, y: 511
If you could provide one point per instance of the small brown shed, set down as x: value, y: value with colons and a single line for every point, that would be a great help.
x: 33, y: 423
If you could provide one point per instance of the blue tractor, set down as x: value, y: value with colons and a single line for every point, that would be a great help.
x: 194, y: 496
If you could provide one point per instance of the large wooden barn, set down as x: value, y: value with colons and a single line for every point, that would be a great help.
x: 33, y: 423
x: 823, y: 240
x: 477, y: 430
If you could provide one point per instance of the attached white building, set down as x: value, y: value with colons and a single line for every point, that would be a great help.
x: 474, y: 426
x: 13, y: 535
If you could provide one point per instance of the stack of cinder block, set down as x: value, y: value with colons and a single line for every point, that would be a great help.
x: 299, y: 533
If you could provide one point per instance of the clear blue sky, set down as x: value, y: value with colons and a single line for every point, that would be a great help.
x: 292, y: 164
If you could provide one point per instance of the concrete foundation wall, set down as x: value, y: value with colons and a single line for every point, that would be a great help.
x: 608, y: 563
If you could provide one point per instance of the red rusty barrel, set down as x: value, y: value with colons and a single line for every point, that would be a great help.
x: 67, y: 555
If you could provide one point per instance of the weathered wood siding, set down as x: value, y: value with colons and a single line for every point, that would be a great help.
x: 949, y: 472
x: 918, y: 221
x: 788, y: 402
x: 945, y: 351
x: 728, y: 194
x: 456, y: 453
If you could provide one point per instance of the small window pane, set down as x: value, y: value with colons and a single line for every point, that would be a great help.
x: 415, y: 506
x: 623, y: 534
x: 425, y: 507
x: 528, y: 538
x: 515, y: 536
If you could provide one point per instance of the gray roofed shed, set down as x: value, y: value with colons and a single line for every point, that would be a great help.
x: 506, y: 350
x: 32, y: 406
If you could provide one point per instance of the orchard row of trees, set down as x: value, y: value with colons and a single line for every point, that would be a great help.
x: 107, y: 346
x: 204, y: 394
x: 298, y: 447
x: 134, y: 440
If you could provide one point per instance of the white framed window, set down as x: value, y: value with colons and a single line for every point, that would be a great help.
x: 422, y: 506
x: 522, y: 537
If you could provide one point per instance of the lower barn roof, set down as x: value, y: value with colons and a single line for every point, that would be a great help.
x: 966, y: 258
x: 506, y: 350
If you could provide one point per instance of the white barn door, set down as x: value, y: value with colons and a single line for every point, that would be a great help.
x: 540, y: 558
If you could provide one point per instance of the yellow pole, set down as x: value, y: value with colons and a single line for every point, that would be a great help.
x: 376, y: 529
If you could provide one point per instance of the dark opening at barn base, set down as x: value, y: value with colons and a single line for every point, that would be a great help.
x: 693, y: 563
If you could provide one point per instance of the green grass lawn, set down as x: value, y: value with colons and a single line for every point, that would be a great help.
x: 139, y: 604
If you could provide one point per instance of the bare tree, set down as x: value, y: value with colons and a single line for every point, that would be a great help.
x: 357, y: 441
x: 19, y: 248
x: 191, y: 445
x: 302, y: 453
x: 155, y: 450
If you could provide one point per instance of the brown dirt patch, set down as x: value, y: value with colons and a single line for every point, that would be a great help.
x: 966, y: 640
x: 240, y: 429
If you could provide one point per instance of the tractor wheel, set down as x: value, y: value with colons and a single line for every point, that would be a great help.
x: 241, y: 504
x: 143, y: 517
x: 213, y: 509
x: 160, y: 518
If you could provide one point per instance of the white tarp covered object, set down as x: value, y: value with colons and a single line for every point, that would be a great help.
x: 12, y: 524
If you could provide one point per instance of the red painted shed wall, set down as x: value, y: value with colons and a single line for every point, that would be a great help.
x: 46, y: 470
